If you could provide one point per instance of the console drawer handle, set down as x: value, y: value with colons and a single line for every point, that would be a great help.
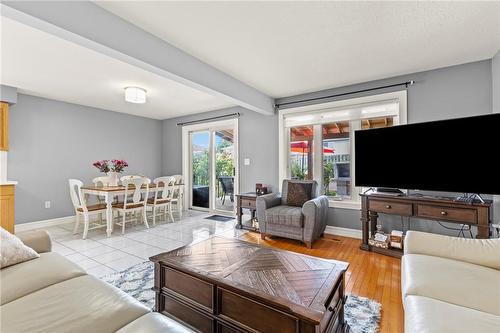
x: 388, y: 206
x: 444, y: 213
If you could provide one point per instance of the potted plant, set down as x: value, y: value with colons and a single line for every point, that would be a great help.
x: 112, y: 169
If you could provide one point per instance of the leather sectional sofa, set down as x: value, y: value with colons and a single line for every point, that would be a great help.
x: 52, y: 294
x: 450, y: 284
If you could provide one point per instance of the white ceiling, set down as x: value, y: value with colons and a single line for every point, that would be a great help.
x: 44, y: 65
x: 287, y: 48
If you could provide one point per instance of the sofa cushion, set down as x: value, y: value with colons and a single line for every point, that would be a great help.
x: 38, y: 240
x: 81, y: 304
x: 284, y: 215
x: 24, y: 278
x: 427, y: 315
x: 154, y: 323
x: 456, y: 282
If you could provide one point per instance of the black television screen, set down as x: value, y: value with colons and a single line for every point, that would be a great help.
x: 457, y: 155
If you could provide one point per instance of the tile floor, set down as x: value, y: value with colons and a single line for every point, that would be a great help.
x: 100, y: 255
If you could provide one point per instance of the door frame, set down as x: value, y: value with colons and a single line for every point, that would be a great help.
x: 187, y: 166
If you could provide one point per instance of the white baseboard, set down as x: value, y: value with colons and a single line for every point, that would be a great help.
x: 346, y: 232
x: 44, y: 223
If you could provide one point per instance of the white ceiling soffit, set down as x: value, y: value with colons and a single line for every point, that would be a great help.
x: 288, y: 48
x: 44, y: 65
x: 86, y: 24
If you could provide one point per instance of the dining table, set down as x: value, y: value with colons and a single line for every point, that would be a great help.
x: 110, y: 192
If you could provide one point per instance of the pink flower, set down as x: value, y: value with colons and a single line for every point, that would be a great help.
x: 102, y: 165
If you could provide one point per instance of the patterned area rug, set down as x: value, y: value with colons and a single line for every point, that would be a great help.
x: 362, y: 314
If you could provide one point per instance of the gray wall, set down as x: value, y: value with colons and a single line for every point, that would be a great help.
x: 53, y: 141
x: 451, y: 92
x: 8, y: 94
x: 257, y: 140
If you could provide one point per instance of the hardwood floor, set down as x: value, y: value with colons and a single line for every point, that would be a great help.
x: 370, y: 274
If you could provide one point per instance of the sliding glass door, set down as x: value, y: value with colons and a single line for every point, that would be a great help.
x: 224, y: 170
x: 200, y: 170
x: 212, y: 166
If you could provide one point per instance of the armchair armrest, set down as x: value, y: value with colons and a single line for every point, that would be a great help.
x: 315, y: 213
x: 484, y: 252
x: 264, y: 202
x: 38, y: 240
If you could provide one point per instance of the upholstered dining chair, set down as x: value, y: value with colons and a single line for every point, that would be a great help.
x: 133, y: 200
x: 162, y: 198
x: 298, y: 213
x: 81, y: 208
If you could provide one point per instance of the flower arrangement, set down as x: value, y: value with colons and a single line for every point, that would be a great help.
x: 102, y: 166
x: 118, y: 165
x: 113, y: 165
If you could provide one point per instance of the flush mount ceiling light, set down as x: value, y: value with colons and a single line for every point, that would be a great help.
x: 135, y: 95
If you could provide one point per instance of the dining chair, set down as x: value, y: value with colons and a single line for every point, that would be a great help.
x: 164, y: 191
x: 99, y: 182
x: 178, y: 194
x: 131, y: 177
x: 133, y: 201
x: 122, y: 178
x: 81, y: 208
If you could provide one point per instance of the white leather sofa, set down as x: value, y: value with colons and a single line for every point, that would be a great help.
x: 52, y: 294
x: 450, y: 284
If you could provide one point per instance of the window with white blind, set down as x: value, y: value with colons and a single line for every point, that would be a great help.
x: 317, y: 142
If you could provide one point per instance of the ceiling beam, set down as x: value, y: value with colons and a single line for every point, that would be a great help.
x: 91, y: 26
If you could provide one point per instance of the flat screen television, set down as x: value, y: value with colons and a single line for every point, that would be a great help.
x: 456, y: 155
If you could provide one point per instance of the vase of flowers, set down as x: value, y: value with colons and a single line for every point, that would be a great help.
x: 112, y: 169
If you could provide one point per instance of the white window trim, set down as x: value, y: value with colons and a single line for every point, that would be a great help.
x: 283, y: 136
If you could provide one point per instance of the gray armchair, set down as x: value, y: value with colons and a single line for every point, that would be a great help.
x: 306, y: 223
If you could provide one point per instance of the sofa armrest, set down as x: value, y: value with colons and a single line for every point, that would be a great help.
x: 264, y: 202
x: 38, y: 240
x: 484, y: 252
x: 315, y: 212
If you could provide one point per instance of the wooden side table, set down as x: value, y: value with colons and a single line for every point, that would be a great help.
x: 246, y: 201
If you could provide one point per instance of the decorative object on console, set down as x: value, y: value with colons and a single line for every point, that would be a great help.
x: 380, y: 239
x: 261, y: 189
x: 112, y: 168
x: 397, y: 239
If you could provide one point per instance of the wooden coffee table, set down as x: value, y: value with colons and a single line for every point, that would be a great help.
x: 227, y: 285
